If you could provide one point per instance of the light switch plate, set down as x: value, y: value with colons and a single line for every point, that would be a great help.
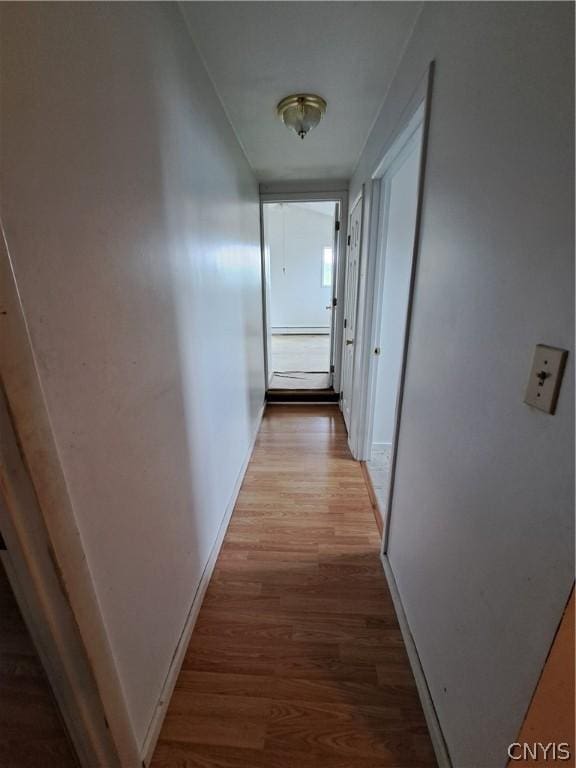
x: 545, y: 377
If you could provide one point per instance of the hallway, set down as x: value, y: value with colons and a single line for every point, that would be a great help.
x: 296, y: 658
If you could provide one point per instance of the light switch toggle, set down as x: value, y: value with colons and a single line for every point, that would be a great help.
x: 545, y: 377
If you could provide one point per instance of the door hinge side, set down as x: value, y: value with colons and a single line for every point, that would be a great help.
x: 348, y: 240
x: 345, y: 322
x: 337, y: 225
x: 334, y: 302
x: 331, y: 369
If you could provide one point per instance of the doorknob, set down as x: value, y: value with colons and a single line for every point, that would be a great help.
x: 349, y: 341
x: 329, y: 306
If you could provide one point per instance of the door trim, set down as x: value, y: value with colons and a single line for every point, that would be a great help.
x: 416, y: 114
x: 426, y: 111
x: 339, y: 196
x: 400, y: 150
x: 46, y: 563
x: 358, y: 201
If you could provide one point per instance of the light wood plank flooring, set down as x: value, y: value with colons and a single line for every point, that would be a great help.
x: 296, y: 660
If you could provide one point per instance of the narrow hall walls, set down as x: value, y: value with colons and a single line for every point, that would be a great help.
x: 133, y: 224
x: 482, y: 520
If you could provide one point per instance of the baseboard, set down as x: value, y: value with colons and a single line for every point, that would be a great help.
x: 373, y: 497
x: 169, y: 683
x: 314, y: 330
x: 436, y: 735
x: 381, y: 445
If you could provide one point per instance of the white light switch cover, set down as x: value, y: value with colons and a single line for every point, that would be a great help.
x: 545, y: 377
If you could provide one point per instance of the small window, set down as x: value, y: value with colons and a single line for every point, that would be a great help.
x: 327, y: 266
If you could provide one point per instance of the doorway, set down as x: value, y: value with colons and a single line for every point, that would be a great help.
x: 300, y: 242
x: 32, y: 731
x: 397, y: 186
x: 350, y: 307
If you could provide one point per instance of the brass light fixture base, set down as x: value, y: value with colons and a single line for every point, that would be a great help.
x: 301, y: 112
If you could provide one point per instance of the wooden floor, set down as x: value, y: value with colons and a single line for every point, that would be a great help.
x: 296, y: 660
x: 32, y: 734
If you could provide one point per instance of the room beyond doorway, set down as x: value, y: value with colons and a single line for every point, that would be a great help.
x: 300, y: 259
x: 300, y: 361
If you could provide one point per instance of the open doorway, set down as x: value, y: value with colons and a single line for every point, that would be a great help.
x: 32, y: 731
x: 300, y: 261
x: 397, y: 184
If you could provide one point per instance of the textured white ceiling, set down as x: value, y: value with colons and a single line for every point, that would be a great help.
x: 259, y: 52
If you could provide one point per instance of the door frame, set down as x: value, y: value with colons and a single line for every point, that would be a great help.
x: 399, y: 151
x: 358, y: 200
x: 414, y: 117
x: 340, y: 197
x: 44, y: 558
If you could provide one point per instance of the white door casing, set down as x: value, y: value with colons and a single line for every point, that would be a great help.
x: 334, y: 300
x: 350, y: 307
x: 312, y: 194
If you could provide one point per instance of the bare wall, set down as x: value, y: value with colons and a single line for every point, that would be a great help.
x: 481, y: 540
x: 132, y: 219
x: 296, y: 235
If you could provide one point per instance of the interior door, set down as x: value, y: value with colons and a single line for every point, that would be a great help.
x: 335, y: 252
x: 269, y: 368
x: 350, y: 307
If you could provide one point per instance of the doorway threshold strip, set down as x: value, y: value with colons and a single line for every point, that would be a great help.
x: 298, y: 374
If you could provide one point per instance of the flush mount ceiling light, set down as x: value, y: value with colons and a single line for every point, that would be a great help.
x: 301, y: 112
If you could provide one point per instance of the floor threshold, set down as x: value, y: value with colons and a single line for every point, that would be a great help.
x: 302, y: 396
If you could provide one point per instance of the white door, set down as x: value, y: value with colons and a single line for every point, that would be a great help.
x: 350, y: 306
x: 334, y: 301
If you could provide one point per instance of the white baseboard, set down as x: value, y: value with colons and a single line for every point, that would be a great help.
x: 170, y: 682
x: 316, y: 330
x: 436, y: 735
x: 380, y: 446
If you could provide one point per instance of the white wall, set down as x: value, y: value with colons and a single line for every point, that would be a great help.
x: 296, y: 234
x: 400, y: 215
x: 482, y: 531
x: 132, y: 219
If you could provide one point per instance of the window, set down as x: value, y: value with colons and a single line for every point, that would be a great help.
x: 327, y: 265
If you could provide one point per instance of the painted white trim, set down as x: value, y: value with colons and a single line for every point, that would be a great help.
x: 49, y: 538
x: 155, y: 724
x: 399, y: 152
x: 44, y: 608
x: 268, y: 373
x: 296, y: 192
x: 312, y: 330
x: 407, y: 123
x: 369, y: 309
x: 415, y: 117
x: 401, y: 141
x: 358, y: 201
x: 434, y: 728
